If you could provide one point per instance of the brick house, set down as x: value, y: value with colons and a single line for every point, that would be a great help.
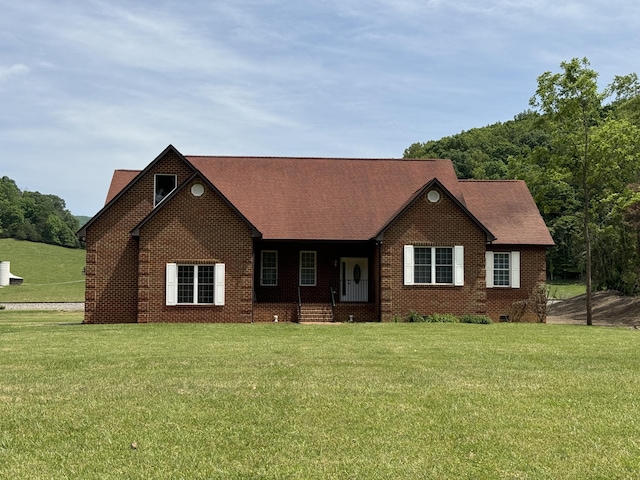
x: 243, y: 239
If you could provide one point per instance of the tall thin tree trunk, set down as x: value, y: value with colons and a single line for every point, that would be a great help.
x: 587, y: 201
x: 587, y: 241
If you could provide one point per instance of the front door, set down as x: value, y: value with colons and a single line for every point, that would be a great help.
x: 354, y: 279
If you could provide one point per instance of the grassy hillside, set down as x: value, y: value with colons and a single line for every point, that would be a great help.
x: 51, y: 273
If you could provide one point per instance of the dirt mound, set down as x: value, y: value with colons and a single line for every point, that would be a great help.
x: 608, y: 308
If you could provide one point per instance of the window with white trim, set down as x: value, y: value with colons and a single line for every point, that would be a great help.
x: 307, y: 268
x: 163, y: 186
x: 503, y: 269
x: 195, y: 284
x: 269, y: 268
x: 433, y: 265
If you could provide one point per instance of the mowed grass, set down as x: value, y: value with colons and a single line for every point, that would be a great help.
x: 50, y: 273
x: 562, y: 289
x: 370, y: 401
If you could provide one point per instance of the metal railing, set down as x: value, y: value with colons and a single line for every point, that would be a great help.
x: 333, y: 303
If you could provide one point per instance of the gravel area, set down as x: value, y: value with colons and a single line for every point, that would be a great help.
x: 608, y: 308
x: 44, y: 306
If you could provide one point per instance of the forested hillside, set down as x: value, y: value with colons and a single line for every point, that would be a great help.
x: 578, y: 149
x: 35, y: 216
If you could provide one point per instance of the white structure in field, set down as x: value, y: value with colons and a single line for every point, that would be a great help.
x: 6, y: 277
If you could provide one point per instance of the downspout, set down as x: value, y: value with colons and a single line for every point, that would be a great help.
x: 253, y: 274
x: 378, y: 246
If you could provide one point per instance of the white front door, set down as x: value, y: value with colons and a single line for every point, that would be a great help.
x: 354, y: 279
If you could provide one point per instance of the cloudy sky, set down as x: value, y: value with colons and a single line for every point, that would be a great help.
x: 88, y: 86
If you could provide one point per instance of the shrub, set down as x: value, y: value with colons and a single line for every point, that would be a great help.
x: 413, y: 316
x: 477, y: 319
x: 539, y: 302
x: 442, y: 318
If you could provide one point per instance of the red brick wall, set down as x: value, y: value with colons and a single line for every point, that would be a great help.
x: 432, y: 224
x: 112, y: 253
x: 532, y: 273
x: 362, y: 312
x: 196, y: 230
x: 264, y: 312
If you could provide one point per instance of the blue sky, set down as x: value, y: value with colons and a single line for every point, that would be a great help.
x: 88, y: 86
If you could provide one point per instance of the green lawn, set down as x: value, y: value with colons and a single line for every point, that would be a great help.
x: 562, y: 289
x: 50, y: 273
x: 368, y: 401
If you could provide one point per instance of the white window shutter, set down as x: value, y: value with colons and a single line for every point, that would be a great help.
x: 171, y: 295
x: 458, y: 262
x: 408, y: 264
x: 489, y: 269
x: 218, y: 294
x: 515, y: 270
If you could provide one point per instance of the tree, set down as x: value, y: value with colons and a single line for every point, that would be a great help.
x: 596, y: 152
x: 35, y: 217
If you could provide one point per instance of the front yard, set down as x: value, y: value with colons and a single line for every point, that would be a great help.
x: 331, y: 401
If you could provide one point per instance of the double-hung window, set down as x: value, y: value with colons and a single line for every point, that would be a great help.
x: 307, y: 268
x: 269, y: 268
x: 503, y: 269
x: 195, y: 284
x: 433, y: 265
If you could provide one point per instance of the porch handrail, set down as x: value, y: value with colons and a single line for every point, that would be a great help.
x: 299, y: 304
x: 333, y: 303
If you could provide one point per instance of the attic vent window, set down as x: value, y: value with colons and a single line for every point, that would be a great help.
x: 433, y: 196
x: 197, y: 189
x: 164, y: 185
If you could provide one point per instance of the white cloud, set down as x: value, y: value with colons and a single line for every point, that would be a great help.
x: 98, y: 84
x: 12, y: 71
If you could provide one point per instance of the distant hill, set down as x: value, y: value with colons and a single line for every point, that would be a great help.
x: 82, y: 220
x: 51, y: 273
x: 35, y: 216
x: 485, y: 152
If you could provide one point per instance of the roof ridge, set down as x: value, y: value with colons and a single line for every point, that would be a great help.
x: 275, y: 157
x: 477, y: 180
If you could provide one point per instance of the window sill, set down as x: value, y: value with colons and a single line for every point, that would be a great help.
x: 194, y: 305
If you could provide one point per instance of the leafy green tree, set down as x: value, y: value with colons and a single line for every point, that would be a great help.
x: 593, y: 151
x: 36, y: 217
x: 484, y: 153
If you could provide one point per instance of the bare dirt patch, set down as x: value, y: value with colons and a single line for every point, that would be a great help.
x: 609, y: 308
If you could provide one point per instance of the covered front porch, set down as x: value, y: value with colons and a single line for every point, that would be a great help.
x: 315, y: 281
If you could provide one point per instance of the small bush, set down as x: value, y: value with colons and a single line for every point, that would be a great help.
x: 414, y: 317
x: 442, y: 318
x: 477, y: 319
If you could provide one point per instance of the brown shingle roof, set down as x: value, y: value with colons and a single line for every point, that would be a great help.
x: 120, y: 179
x: 321, y: 198
x: 353, y: 199
x: 507, y: 209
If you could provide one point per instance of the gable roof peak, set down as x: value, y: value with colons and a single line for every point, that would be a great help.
x: 435, y: 182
